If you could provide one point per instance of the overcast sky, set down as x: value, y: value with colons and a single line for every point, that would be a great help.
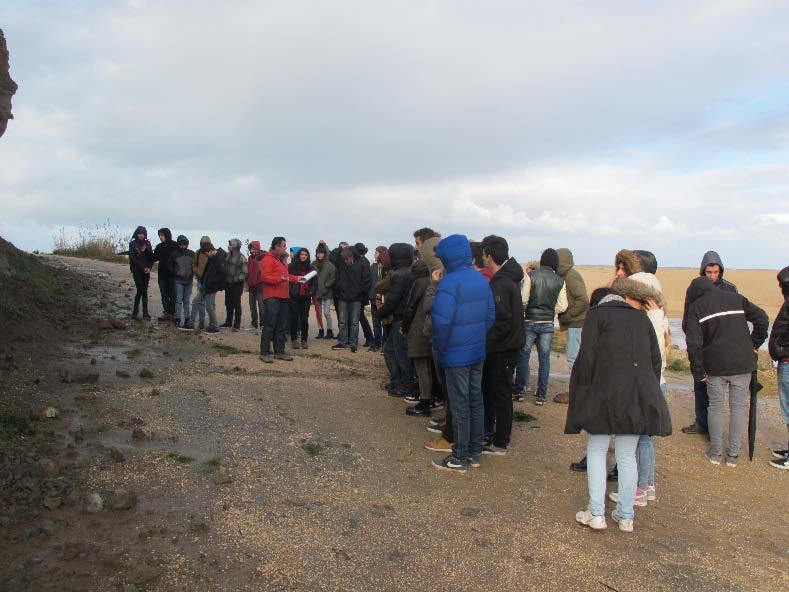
x: 591, y: 125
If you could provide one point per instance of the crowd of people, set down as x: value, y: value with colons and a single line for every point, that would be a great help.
x: 456, y: 321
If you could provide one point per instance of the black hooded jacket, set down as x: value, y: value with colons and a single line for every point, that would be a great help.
x: 719, y: 341
x: 353, y: 281
x: 710, y: 258
x: 140, y: 251
x: 164, y: 251
x: 215, y: 277
x: 507, y: 333
x: 779, y: 336
x: 401, y: 256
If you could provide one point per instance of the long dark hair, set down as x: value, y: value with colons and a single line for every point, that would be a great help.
x: 297, y: 266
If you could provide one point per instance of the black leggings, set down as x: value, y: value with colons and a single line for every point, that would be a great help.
x: 141, y: 280
x: 233, y: 304
x: 299, y: 317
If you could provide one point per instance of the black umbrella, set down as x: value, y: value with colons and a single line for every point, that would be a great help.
x: 755, y: 388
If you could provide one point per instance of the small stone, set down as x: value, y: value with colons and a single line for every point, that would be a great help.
x: 48, y: 466
x: 145, y: 373
x: 470, y: 512
x: 223, y: 477
x: 51, y: 412
x: 93, y: 361
x: 117, y: 456
x: 138, y: 434
x: 124, y: 500
x: 155, y: 392
x: 122, y: 374
x: 197, y: 525
x: 92, y: 503
x: 53, y: 502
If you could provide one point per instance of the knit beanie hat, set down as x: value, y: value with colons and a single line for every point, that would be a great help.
x: 550, y: 258
x: 182, y: 240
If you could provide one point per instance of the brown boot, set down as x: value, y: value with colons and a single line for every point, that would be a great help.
x: 562, y: 398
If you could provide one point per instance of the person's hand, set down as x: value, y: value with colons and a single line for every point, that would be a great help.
x: 611, y: 282
x: 756, y: 351
x: 704, y: 378
x: 147, y: 270
x: 212, y: 252
x: 436, y: 275
x: 651, y: 305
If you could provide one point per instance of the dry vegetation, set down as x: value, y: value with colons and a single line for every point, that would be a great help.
x: 104, y: 242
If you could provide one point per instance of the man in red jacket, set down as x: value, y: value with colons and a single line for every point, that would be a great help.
x: 254, y: 271
x: 275, y: 282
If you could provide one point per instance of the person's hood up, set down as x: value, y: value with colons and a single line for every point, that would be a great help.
x: 254, y: 245
x: 206, y: 244
x: 138, y: 230
x: 454, y: 252
x: 360, y: 249
x: 638, y: 290
x: 511, y: 269
x: 566, y: 262
x: 650, y: 280
x: 168, y: 235
x: 648, y: 261
x: 420, y: 268
x: 235, y: 243
x: 428, y: 252
x: 401, y: 255
x: 783, y: 281
x: 182, y: 241
x: 629, y: 260
x: 711, y: 258
x: 322, y: 248
x: 698, y: 287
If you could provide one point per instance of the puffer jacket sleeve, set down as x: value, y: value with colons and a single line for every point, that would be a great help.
x: 443, y: 314
x: 779, y: 336
x: 244, y: 268
x: 577, y: 298
x: 331, y: 275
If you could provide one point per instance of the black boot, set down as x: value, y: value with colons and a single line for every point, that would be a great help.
x: 320, y: 334
x: 227, y: 323
x: 579, y: 467
x: 329, y: 334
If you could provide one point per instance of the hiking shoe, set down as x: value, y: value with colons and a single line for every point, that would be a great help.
x: 201, y: 325
x: 320, y: 334
x: 339, y: 346
x: 562, y: 398
x: 474, y: 461
x: 353, y: 349
x: 732, y: 461
x: 780, y: 464
x: 494, y: 450
x: 304, y: 345
x: 373, y: 348
x: 651, y: 493
x: 579, y: 467
x: 693, y: 428
x: 266, y: 358
x: 421, y: 409
x: 451, y: 464
x: 640, y: 501
x: 586, y: 518
x: 518, y: 397
x: 212, y: 329
x: 439, y: 445
x: 716, y: 460
x: 295, y: 344
x: 283, y: 357
x: 779, y: 454
x: 625, y: 524
x: 177, y: 323
x: 540, y: 400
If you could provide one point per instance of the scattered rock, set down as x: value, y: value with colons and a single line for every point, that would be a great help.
x: 155, y: 392
x: 123, y: 500
x: 223, y: 477
x: 122, y: 374
x: 145, y: 373
x: 53, y: 502
x: 117, y: 456
x: 470, y: 512
x: 93, y: 361
x: 48, y: 466
x: 51, y: 412
x: 313, y: 448
x: 197, y: 525
x: 92, y: 504
x: 138, y: 434
x: 137, y: 421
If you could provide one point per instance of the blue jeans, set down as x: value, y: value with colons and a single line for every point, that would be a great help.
x: 783, y: 389
x: 542, y: 335
x: 348, y: 315
x: 573, y: 344
x: 183, y: 293
x: 645, y: 455
x: 204, y: 302
x: 596, y: 472
x: 377, y: 328
x: 464, y: 388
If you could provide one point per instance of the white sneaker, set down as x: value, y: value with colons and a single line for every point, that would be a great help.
x: 640, y: 500
x: 651, y: 493
x: 625, y: 524
x: 586, y: 518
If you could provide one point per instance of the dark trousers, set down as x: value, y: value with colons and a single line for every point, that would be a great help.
x: 377, y: 328
x: 275, y: 326
x: 368, y: 332
x: 299, y: 310
x: 167, y: 292
x: 702, y: 404
x: 233, y: 304
x: 400, y: 366
x: 424, y: 376
x: 141, y: 280
x: 256, y: 307
x: 497, y: 393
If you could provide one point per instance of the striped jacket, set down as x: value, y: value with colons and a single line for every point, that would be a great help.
x: 718, y: 338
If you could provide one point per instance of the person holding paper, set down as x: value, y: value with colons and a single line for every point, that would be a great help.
x: 302, y: 287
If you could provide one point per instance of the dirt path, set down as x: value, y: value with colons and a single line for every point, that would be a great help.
x: 331, y: 488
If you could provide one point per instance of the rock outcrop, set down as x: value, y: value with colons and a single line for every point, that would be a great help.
x: 7, y: 86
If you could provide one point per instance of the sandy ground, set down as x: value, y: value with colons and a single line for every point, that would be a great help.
x: 332, y: 490
x: 760, y: 286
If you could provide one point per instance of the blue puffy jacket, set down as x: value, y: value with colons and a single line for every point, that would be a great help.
x: 463, y: 309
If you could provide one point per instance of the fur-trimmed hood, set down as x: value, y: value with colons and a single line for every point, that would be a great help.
x: 629, y: 260
x: 638, y: 289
